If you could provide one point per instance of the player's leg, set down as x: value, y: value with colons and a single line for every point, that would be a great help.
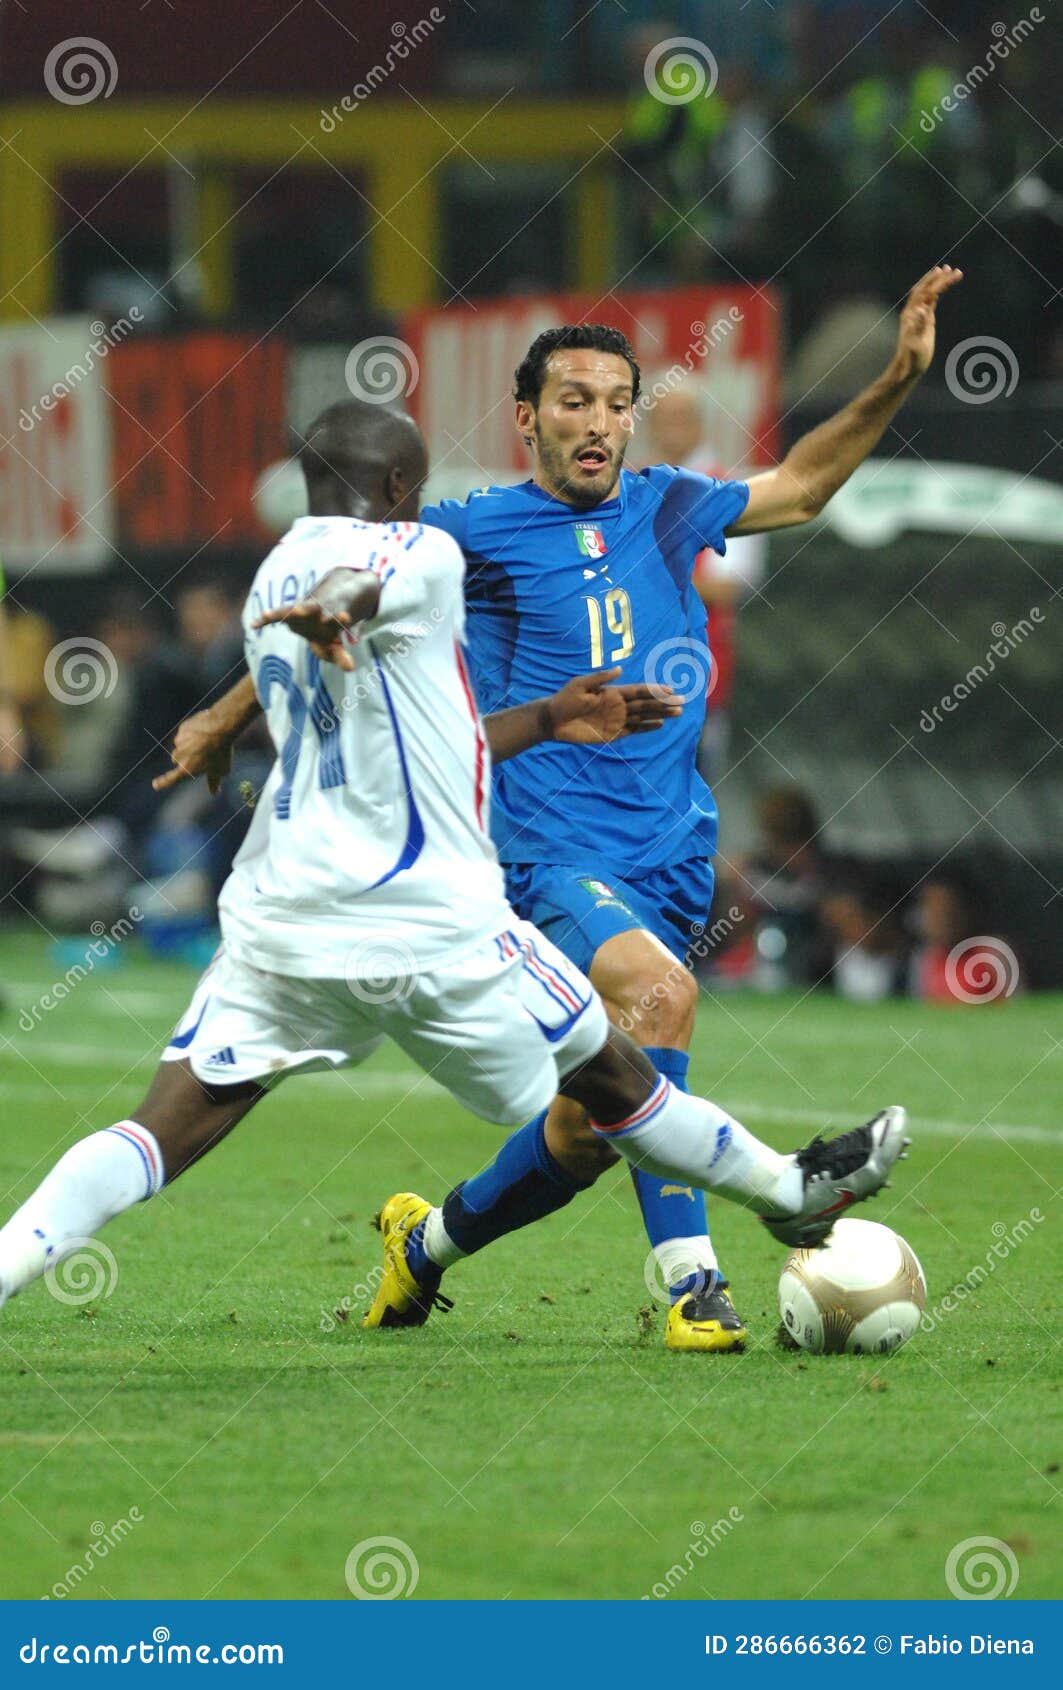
x: 650, y: 994
x: 558, y: 1153
x: 470, y: 1026
x: 500, y: 1028
x: 105, y: 1173
x: 679, y: 1136
x: 243, y: 1030
x: 625, y: 937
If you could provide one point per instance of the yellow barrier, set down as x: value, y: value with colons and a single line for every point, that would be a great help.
x: 398, y: 145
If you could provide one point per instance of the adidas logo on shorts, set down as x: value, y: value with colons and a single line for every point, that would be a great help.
x: 221, y: 1059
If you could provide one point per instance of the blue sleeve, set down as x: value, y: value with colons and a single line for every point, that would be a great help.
x: 452, y: 515
x: 713, y: 505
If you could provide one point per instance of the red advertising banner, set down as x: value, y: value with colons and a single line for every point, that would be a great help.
x: 725, y: 337
x: 195, y: 420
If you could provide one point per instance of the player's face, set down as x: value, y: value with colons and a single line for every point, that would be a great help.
x: 582, y: 425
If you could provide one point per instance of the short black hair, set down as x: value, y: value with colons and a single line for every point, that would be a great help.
x: 530, y: 373
x: 356, y: 436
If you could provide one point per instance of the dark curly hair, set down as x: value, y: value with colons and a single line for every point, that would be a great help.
x: 530, y: 373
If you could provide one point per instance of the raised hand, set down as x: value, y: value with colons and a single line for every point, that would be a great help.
x: 915, y: 335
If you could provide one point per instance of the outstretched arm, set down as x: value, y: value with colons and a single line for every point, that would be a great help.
x: 821, y: 461
x: 203, y: 744
x: 585, y: 711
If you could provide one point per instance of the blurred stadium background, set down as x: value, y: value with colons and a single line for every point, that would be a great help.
x: 216, y: 221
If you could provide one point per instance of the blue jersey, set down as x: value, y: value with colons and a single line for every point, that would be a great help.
x: 553, y: 592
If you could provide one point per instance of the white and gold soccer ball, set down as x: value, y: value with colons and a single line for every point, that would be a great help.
x: 860, y: 1293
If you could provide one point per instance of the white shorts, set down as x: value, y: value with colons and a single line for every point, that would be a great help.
x: 500, y: 1027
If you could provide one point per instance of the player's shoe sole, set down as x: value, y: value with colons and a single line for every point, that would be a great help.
x: 705, y: 1321
x: 840, y: 1172
x: 400, y: 1300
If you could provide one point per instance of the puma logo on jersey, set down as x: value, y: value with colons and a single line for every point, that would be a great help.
x: 677, y: 1191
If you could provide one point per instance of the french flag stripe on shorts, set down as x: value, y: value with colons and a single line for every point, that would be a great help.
x: 554, y: 981
x: 653, y: 1105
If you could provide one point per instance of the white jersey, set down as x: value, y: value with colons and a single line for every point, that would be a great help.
x: 368, y: 854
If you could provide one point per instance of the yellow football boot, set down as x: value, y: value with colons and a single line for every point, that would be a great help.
x: 705, y: 1320
x: 401, y: 1300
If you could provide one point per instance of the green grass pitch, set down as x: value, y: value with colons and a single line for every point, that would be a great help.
x: 538, y: 1441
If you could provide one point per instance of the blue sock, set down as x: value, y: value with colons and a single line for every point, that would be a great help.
x: 670, y: 1210
x: 521, y: 1185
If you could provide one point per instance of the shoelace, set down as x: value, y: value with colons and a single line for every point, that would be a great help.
x: 836, y: 1158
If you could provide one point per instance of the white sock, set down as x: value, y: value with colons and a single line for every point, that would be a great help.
x: 439, y: 1247
x: 95, y: 1180
x: 679, y: 1259
x: 678, y: 1136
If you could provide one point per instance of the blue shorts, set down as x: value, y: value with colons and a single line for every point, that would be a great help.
x: 578, y: 909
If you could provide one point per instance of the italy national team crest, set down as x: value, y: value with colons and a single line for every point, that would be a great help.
x: 591, y: 540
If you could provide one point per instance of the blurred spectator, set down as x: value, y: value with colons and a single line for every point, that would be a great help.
x: 956, y: 961
x: 868, y: 950
x: 777, y: 940
x: 32, y: 709
x: 171, y: 679
x: 698, y: 179
x: 895, y: 169
x: 677, y: 432
x: 98, y: 827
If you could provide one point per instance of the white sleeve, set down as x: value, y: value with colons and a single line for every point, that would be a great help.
x: 421, y: 571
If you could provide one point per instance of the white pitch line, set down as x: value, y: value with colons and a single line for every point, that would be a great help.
x: 386, y: 1082
x: 110, y: 996
x: 983, y: 1132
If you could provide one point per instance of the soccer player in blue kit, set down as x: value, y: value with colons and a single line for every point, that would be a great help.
x: 608, y: 849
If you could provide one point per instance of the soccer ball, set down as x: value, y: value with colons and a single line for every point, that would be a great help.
x: 860, y: 1293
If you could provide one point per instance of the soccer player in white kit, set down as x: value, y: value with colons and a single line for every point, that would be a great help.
x: 367, y: 900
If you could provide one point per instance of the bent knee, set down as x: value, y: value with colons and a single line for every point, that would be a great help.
x: 656, y: 1008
